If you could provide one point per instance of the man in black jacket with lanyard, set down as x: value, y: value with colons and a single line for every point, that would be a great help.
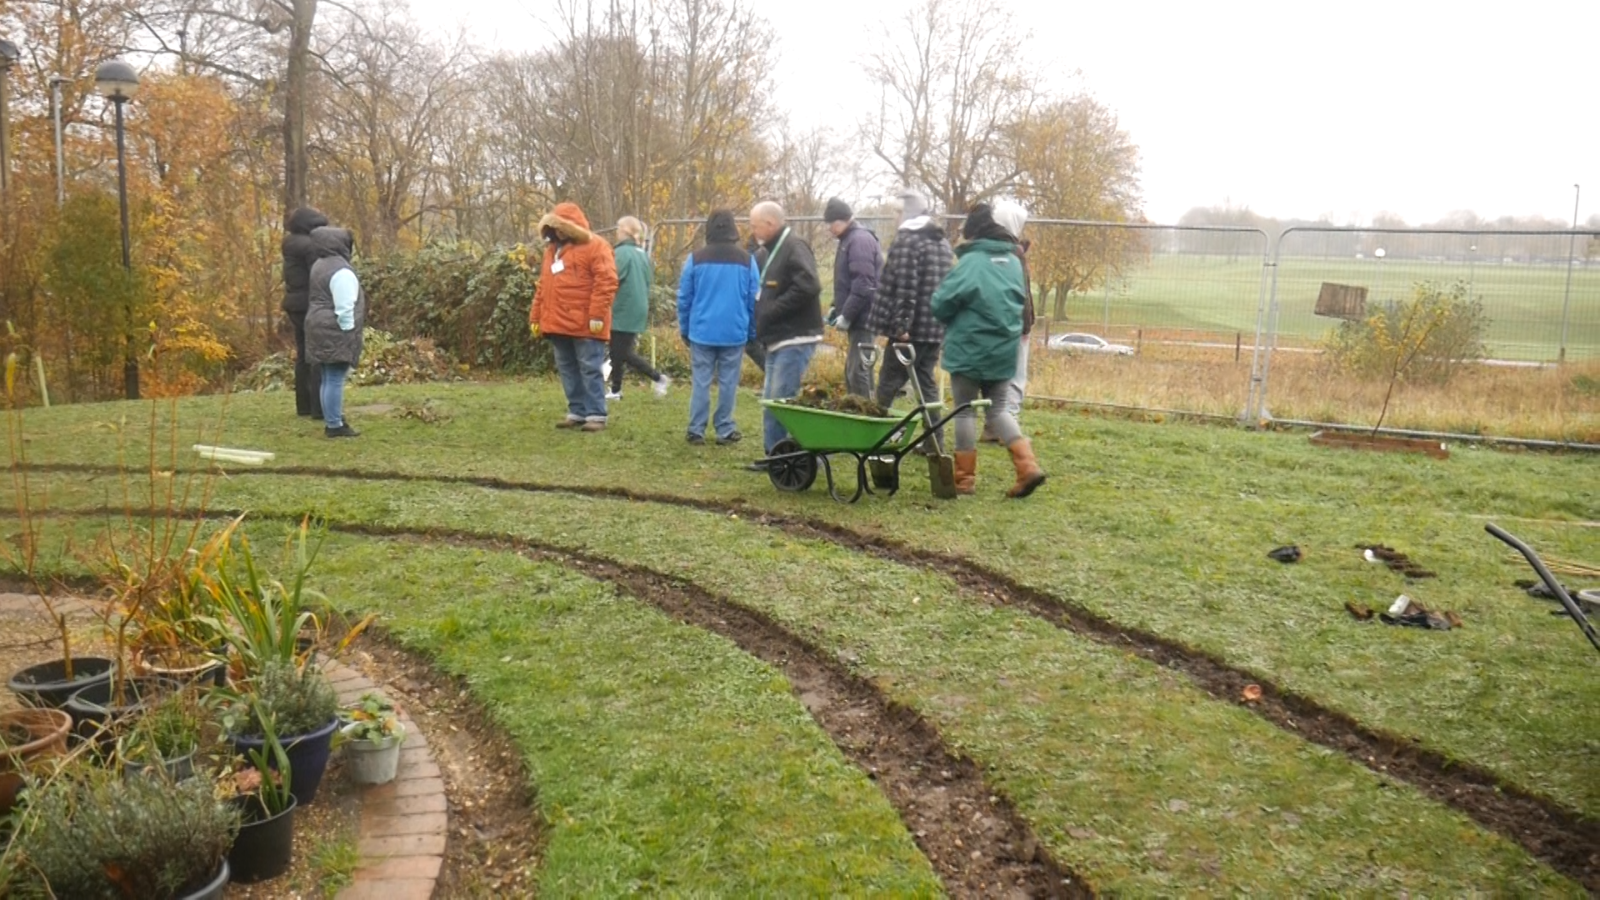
x: 788, y: 311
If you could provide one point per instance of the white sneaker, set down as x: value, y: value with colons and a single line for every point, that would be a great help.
x: 613, y: 395
x: 664, y: 382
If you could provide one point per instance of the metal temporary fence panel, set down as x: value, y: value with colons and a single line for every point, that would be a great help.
x: 1182, y: 306
x: 1535, y: 297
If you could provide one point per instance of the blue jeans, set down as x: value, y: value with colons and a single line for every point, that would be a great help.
x: 578, y: 360
x: 333, y: 378
x: 722, y: 365
x: 786, y: 368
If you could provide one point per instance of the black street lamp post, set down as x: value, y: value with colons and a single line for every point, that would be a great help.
x: 117, y: 81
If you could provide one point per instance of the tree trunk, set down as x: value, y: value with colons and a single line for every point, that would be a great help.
x: 296, y: 169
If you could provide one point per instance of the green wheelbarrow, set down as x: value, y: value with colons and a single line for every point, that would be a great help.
x: 816, y: 434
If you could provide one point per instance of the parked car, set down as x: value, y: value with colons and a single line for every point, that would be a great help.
x: 1087, y: 343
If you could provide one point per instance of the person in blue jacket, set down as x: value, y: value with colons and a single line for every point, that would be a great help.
x: 716, y: 318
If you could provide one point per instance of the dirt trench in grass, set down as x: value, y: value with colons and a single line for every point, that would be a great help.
x: 1566, y: 840
x: 976, y: 841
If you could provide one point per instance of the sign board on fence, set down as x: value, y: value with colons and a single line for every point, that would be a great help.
x: 1342, y: 301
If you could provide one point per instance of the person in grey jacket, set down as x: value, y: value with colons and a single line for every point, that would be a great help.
x: 855, y: 288
x: 335, y: 318
x: 919, y: 259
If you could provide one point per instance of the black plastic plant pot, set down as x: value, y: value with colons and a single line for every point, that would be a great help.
x: 308, y: 757
x: 93, y: 709
x: 214, y: 889
x: 265, y: 844
x: 46, y: 684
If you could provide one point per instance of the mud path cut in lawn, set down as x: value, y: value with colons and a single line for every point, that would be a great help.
x: 1566, y: 840
x: 973, y: 836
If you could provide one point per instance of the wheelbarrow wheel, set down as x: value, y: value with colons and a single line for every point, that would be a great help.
x: 794, y: 474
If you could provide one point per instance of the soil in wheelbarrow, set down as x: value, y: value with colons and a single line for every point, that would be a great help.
x: 822, y: 398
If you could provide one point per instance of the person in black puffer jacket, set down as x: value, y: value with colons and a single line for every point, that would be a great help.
x: 336, y: 316
x: 298, y: 255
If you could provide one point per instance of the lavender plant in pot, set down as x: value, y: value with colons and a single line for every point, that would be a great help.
x: 88, y: 833
x: 295, y: 706
x: 265, y: 846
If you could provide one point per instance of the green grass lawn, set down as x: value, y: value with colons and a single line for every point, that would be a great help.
x: 664, y: 760
x: 1163, y: 528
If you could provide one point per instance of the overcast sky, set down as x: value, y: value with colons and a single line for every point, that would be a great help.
x: 1416, y: 107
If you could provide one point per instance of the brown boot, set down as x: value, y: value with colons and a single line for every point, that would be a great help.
x: 1029, y: 475
x: 966, y: 471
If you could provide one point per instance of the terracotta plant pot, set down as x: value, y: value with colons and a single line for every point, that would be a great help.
x: 48, y: 729
x: 46, y: 684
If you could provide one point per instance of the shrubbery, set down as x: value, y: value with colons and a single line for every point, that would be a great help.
x: 474, y: 306
x: 1426, y: 337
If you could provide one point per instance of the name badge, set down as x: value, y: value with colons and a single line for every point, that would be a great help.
x: 557, y: 267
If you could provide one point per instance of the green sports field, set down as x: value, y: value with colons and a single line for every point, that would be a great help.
x: 1222, y: 295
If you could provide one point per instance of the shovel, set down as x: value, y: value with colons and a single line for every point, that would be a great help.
x: 1572, y: 608
x: 941, y: 465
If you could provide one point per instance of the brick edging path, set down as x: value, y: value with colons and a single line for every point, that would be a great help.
x: 404, y: 822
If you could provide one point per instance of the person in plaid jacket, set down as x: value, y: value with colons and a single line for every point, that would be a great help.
x: 918, y: 260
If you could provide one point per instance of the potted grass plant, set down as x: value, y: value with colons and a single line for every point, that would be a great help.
x: 370, y: 734
x: 265, y: 799
x: 87, y: 833
x: 166, y: 737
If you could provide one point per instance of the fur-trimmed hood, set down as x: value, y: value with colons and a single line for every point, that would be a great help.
x: 568, y: 222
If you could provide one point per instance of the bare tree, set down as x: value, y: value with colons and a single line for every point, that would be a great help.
x: 954, y: 88
x: 250, y: 42
x: 384, y: 93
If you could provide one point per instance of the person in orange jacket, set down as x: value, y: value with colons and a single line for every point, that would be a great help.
x: 572, y: 309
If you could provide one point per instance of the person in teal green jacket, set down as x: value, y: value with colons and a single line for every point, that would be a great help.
x: 630, y: 312
x: 980, y: 303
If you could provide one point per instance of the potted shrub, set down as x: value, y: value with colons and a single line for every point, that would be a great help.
x: 172, y: 637
x: 370, y: 734
x: 299, y: 707
x: 87, y: 833
x: 265, y: 845
x: 166, y: 738
x: 28, y: 737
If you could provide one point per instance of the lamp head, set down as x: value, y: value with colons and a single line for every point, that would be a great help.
x: 116, y: 81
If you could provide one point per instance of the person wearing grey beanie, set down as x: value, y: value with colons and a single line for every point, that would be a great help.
x: 913, y: 204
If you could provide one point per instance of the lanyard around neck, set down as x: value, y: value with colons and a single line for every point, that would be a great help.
x: 774, y: 254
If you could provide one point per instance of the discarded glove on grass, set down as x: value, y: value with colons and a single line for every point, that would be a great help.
x: 1395, y: 560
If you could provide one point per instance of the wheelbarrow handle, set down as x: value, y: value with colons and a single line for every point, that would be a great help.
x: 1550, y: 582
